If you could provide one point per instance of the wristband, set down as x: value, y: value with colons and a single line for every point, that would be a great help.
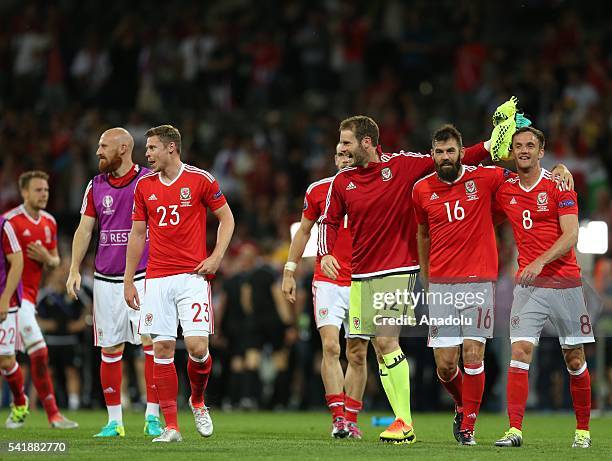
x: 290, y: 266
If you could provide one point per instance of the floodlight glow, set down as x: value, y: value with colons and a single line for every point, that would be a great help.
x: 593, y: 237
x: 311, y: 247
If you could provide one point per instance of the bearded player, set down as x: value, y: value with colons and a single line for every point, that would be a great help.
x: 548, y: 286
x: 453, y: 202
x: 376, y: 194
x: 173, y: 201
x: 108, y: 201
x: 36, y: 231
x: 343, y: 393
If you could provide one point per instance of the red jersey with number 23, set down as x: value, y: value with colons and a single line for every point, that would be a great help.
x: 314, y: 206
x: 463, y: 247
x: 176, y: 214
x: 534, y: 215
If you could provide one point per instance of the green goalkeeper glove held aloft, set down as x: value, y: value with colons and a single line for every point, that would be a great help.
x: 505, y: 122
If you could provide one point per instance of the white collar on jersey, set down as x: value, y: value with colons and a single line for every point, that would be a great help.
x: 529, y: 189
x: 30, y: 218
x: 174, y: 180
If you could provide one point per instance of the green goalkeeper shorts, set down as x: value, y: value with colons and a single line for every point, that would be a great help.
x: 378, y: 306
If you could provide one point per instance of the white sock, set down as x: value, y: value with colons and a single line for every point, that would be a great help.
x: 115, y: 414
x: 74, y: 402
x: 152, y: 409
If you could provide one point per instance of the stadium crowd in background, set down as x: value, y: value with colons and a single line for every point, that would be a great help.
x: 257, y: 94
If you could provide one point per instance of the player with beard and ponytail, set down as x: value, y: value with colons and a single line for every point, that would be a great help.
x: 109, y: 199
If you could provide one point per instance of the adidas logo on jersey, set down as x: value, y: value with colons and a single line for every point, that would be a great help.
x: 513, y: 201
x: 153, y: 197
x: 109, y: 390
x: 27, y: 233
x: 434, y: 196
x: 351, y: 186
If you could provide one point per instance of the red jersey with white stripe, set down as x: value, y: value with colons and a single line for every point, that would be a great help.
x: 10, y: 245
x: 534, y: 214
x: 463, y: 247
x: 378, y: 199
x: 314, y: 206
x: 176, y: 215
x: 29, y: 230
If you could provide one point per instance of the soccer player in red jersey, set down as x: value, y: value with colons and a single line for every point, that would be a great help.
x: 11, y: 269
x: 37, y: 233
x: 343, y: 394
x: 107, y: 205
x: 376, y: 193
x: 455, y: 201
x: 544, y: 220
x: 173, y: 201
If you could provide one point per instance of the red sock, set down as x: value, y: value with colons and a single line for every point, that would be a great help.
x: 335, y: 402
x: 518, y: 391
x: 352, y: 408
x: 473, y: 387
x: 149, y: 381
x: 14, y: 378
x: 454, y: 387
x: 39, y: 361
x: 580, y: 388
x: 166, y: 382
x: 198, y: 372
x: 110, y: 378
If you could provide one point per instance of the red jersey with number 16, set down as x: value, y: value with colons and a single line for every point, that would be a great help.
x: 176, y: 215
x: 314, y: 206
x: 534, y: 215
x: 463, y: 247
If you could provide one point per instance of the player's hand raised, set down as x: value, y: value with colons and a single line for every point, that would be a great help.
x: 209, y: 266
x: 73, y: 284
x: 288, y: 287
x: 330, y: 266
x: 130, y: 293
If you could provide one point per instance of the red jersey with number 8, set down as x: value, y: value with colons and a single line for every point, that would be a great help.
x: 534, y: 215
x: 176, y: 215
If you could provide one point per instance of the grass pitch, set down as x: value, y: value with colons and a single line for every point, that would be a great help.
x: 259, y: 436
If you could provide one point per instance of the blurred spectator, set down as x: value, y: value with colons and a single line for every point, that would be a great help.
x: 63, y: 321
